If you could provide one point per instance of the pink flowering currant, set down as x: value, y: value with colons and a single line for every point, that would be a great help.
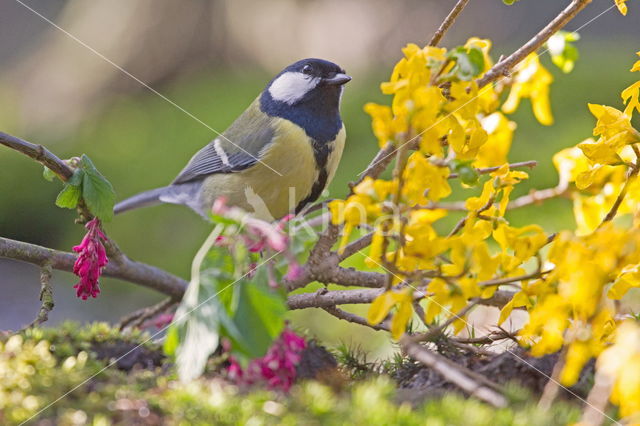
x: 92, y: 258
x: 277, y: 369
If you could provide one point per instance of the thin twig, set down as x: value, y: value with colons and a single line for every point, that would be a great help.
x: 437, y: 330
x: 597, y: 400
x: 356, y: 246
x: 507, y: 280
x: 452, y: 372
x: 530, y: 164
x: 538, y: 196
x: 552, y: 387
x: 448, y: 21
x: 356, y: 319
x: 138, y: 317
x: 377, y: 165
x: 46, y: 296
x: 490, y: 338
x: 505, y: 65
x: 38, y: 153
x: 631, y: 175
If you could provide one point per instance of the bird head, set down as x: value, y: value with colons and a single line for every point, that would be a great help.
x: 308, y: 81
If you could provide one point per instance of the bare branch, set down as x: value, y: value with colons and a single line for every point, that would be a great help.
x: 38, y: 153
x: 137, y: 318
x: 377, y: 165
x: 46, y: 297
x: 597, y: 400
x: 484, y: 340
x: 437, y: 330
x: 324, y: 298
x: 126, y: 269
x: 452, y: 372
x: 530, y: 164
x: 538, y: 196
x: 355, y: 246
x: 505, y: 65
x: 448, y: 21
x: 631, y: 175
x: 357, y: 319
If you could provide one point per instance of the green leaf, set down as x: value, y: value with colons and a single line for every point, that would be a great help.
x: 48, y: 174
x: 509, y: 2
x: 563, y: 54
x: 259, y: 317
x: 69, y: 196
x: 71, y: 193
x: 469, y: 63
x: 194, y: 333
x: 467, y: 173
x: 97, y: 191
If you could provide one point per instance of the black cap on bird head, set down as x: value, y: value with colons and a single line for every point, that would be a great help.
x: 308, y: 93
x: 308, y: 80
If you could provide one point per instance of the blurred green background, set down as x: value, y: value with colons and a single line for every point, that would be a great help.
x: 212, y: 59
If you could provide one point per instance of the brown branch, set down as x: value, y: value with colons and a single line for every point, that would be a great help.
x: 484, y: 340
x: 534, y: 197
x: 46, y: 297
x: 448, y: 21
x: 530, y: 164
x: 377, y: 165
x: 631, y: 175
x: 505, y: 65
x: 507, y: 280
x: 356, y: 319
x: 38, y: 153
x: 323, y: 297
x: 537, y: 196
x: 125, y: 269
x: 597, y: 400
x: 356, y: 246
x: 138, y: 317
x: 452, y: 372
x: 438, y: 329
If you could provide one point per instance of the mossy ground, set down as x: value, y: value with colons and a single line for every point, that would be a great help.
x: 67, y: 376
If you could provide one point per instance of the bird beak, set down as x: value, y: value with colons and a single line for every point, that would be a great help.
x: 337, y: 80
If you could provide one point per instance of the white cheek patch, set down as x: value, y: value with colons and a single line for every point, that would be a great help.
x: 290, y: 87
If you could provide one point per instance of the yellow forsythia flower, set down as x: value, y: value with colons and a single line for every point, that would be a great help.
x: 620, y: 363
x: 532, y: 80
x: 499, y: 136
x: 382, y: 304
x: 622, y: 7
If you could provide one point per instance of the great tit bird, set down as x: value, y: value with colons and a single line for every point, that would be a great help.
x: 276, y: 157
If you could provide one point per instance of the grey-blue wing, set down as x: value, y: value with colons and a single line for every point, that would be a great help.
x: 240, y: 147
x: 212, y: 159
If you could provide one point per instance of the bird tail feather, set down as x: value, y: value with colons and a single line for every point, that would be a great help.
x: 144, y: 199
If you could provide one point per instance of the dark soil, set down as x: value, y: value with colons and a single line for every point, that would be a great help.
x: 128, y: 355
x: 417, y: 382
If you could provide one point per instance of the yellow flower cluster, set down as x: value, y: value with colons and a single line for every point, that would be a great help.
x: 439, y: 111
x: 443, y: 126
x: 620, y: 366
x: 568, y: 306
x: 572, y: 307
x: 602, y: 168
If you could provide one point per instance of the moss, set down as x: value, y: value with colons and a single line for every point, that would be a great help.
x: 55, y: 374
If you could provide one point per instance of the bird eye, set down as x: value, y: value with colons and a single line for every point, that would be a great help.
x: 307, y: 69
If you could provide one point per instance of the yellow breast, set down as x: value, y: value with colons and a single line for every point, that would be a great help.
x: 273, y: 187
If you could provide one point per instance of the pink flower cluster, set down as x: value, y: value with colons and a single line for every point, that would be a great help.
x: 277, y: 369
x: 92, y: 258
